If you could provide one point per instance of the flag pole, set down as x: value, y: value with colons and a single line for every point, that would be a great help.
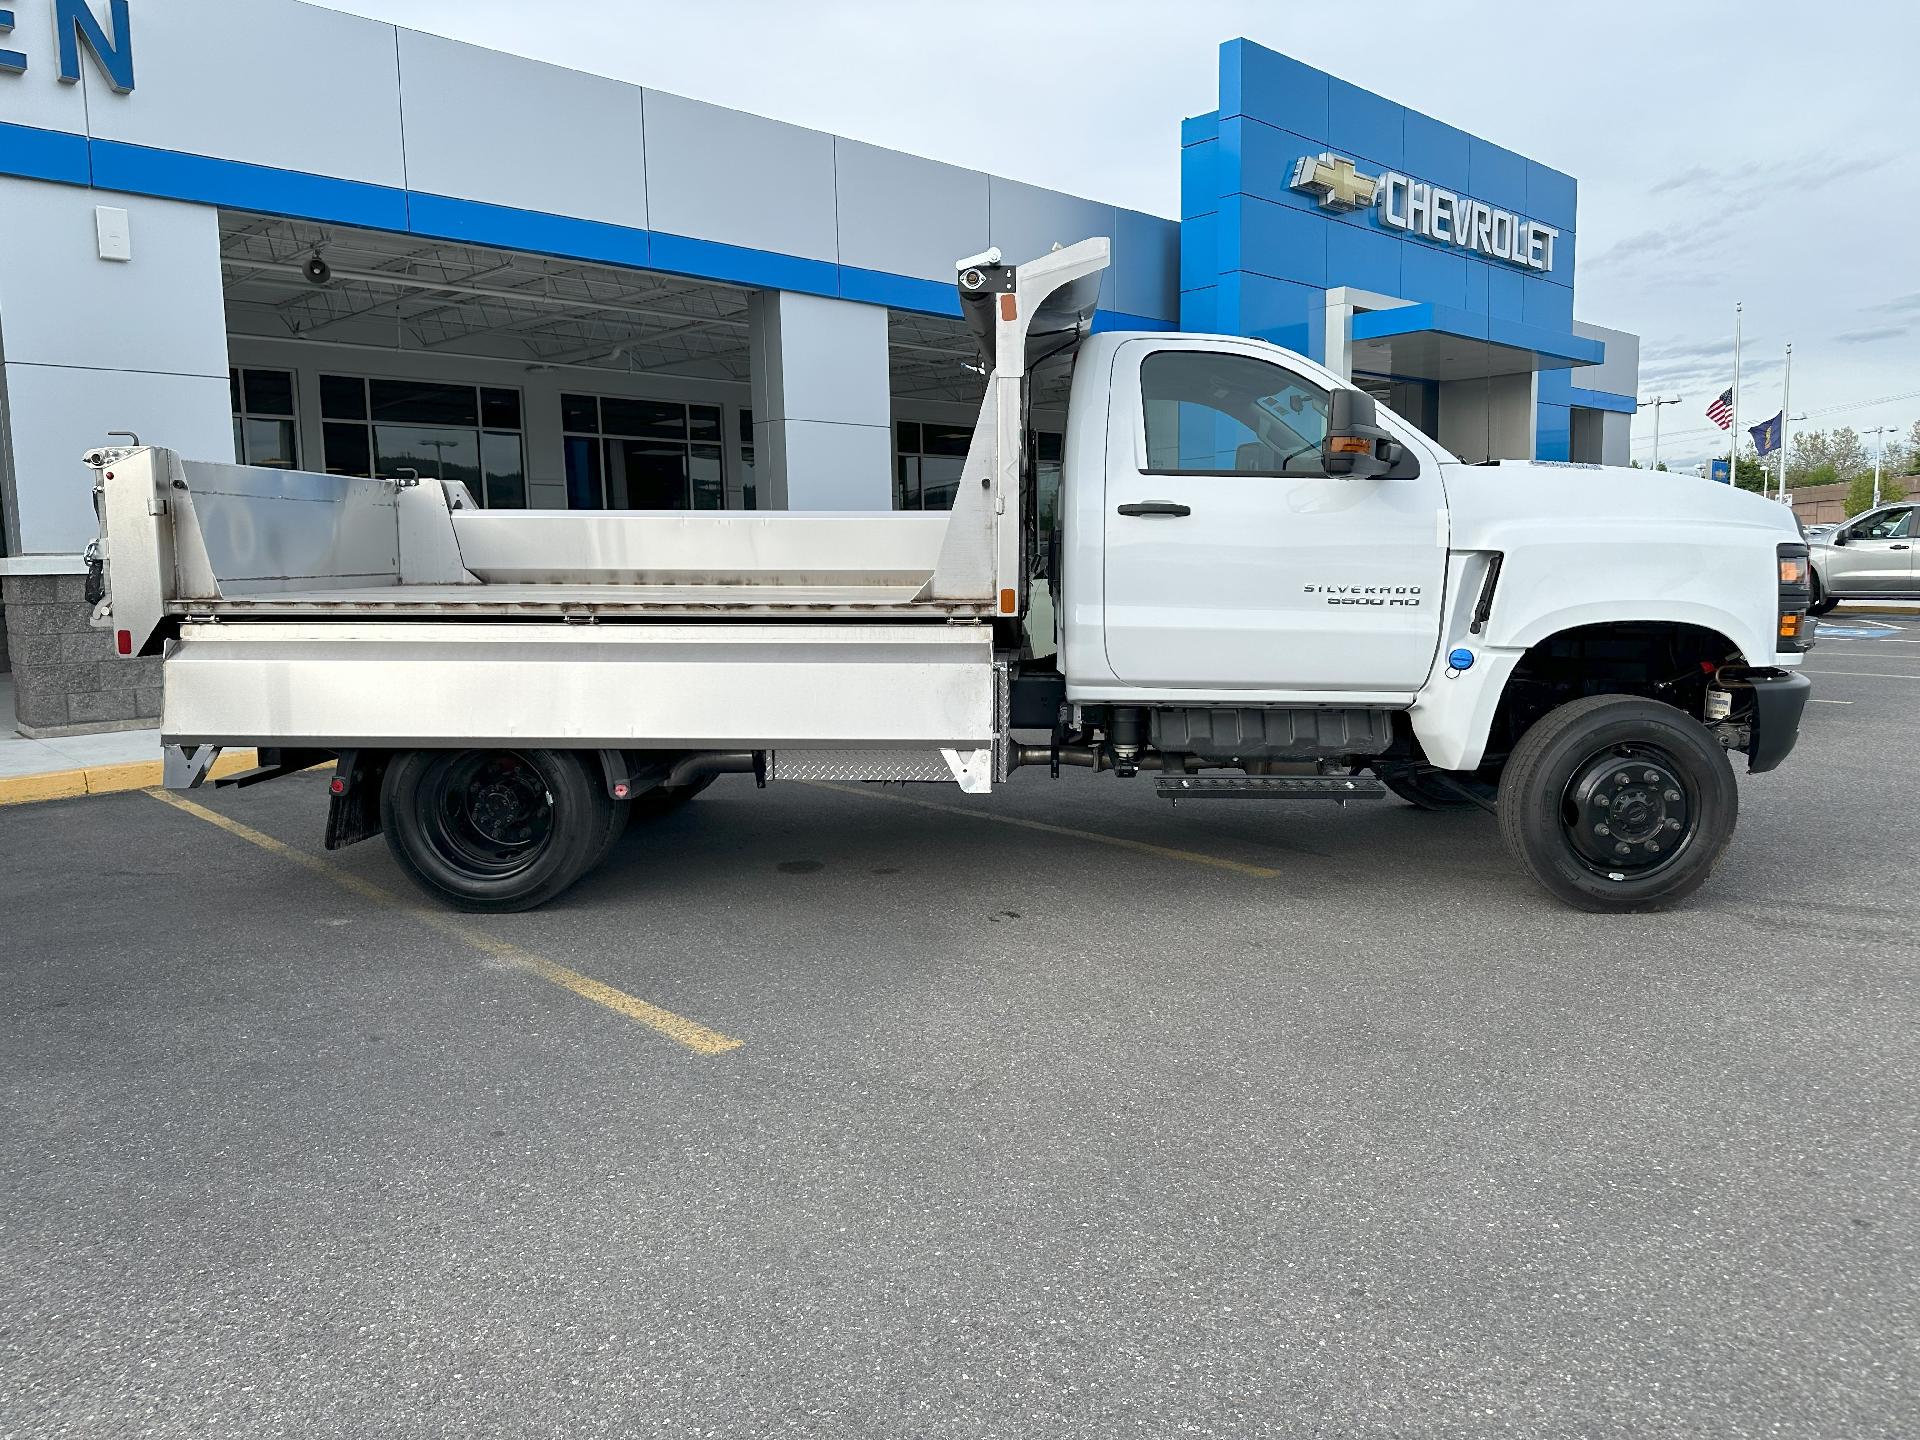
x: 1733, y: 441
x: 1786, y: 409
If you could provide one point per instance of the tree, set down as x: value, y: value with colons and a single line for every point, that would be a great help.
x: 1806, y: 452
x: 1913, y: 448
x: 1749, y: 473
x: 1860, y: 494
x: 1848, y: 454
x: 1821, y: 474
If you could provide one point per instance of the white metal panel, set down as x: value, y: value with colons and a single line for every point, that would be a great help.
x: 720, y: 174
x: 37, y: 98
x: 1029, y: 221
x: 1270, y: 581
x: 57, y: 412
x: 641, y: 686
x: 295, y: 87
x: 468, y: 133
x: 60, y: 304
x: 905, y: 215
x: 1146, y: 265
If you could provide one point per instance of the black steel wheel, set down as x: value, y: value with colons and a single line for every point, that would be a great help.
x: 1617, y: 803
x: 495, y: 830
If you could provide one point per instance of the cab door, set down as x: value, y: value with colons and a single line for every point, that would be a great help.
x: 1878, y: 556
x: 1233, y: 561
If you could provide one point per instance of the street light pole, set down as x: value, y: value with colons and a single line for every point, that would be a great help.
x: 1879, y: 450
x: 1656, y: 402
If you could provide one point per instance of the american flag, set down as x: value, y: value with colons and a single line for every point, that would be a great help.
x: 1721, y: 410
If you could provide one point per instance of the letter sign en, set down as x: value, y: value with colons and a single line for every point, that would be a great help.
x: 78, y: 25
x: 12, y: 62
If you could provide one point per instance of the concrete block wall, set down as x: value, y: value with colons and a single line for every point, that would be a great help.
x: 67, y: 680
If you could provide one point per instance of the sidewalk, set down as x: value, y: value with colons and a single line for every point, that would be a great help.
x: 83, y: 764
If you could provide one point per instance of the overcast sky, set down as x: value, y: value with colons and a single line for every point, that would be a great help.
x: 1759, y: 151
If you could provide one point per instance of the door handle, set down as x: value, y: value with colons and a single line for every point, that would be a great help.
x: 1896, y: 547
x: 1156, y: 507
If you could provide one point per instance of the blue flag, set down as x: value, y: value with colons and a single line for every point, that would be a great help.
x: 1766, y: 435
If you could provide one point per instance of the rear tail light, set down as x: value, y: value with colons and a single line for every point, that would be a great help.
x: 123, y: 642
x: 1794, y: 632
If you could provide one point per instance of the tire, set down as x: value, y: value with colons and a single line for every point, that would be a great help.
x: 496, y: 830
x: 1822, y: 603
x: 1421, y: 788
x: 1564, y: 814
x: 664, y: 800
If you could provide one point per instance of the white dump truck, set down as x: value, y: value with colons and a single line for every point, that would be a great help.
x: 1261, y: 588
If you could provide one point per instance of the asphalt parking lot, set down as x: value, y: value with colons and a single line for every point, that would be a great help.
x: 1063, y: 1113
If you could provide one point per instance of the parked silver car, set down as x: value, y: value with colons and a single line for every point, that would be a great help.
x: 1871, y: 557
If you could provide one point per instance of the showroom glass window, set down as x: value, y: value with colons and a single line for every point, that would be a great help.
x: 928, y: 459
x: 266, y: 430
x: 1210, y: 413
x: 642, y: 454
x: 472, y: 434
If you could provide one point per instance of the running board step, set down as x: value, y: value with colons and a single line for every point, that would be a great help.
x: 1271, y: 787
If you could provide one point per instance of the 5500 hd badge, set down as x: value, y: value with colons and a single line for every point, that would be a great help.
x: 1407, y: 596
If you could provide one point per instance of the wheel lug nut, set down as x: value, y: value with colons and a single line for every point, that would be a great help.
x: 1603, y: 800
x: 1623, y: 849
x: 1653, y: 777
x: 1672, y: 797
x: 1623, y: 778
x: 1602, y: 830
x: 1673, y: 824
x: 1654, y: 846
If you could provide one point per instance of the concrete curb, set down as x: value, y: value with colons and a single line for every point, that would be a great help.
x: 106, y: 779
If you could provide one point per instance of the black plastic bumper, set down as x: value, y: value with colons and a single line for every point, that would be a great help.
x: 1778, y: 703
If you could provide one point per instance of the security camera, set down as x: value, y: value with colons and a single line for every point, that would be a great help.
x: 317, y: 271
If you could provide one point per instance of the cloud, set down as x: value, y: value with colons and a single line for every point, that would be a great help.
x: 1867, y: 337
x: 1904, y: 305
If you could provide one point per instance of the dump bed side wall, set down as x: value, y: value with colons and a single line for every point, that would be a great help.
x: 731, y: 686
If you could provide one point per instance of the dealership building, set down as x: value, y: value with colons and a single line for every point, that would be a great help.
x: 288, y: 236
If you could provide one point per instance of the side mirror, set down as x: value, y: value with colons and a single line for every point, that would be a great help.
x: 1839, y: 537
x: 1355, y: 446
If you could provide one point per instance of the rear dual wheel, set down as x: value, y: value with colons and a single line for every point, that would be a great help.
x: 497, y: 830
x: 1616, y: 803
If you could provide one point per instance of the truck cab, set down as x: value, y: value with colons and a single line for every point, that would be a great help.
x: 1264, y: 587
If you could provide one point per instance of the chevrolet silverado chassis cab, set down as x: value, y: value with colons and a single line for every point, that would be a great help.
x: 1260, y: 589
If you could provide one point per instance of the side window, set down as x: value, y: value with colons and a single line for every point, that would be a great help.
x: 1213, y: 413
x: 1892, y: 525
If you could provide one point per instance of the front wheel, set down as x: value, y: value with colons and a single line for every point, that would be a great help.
x: 495, y: 830
x: 1616, y: 803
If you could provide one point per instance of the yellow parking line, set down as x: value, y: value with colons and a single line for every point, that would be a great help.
x: 1141, y: 847
x: 690, y: 1033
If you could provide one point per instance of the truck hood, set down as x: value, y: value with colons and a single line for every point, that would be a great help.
x: 1496, y: 507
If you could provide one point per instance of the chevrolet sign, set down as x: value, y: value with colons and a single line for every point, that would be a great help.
x: 1427, y: 210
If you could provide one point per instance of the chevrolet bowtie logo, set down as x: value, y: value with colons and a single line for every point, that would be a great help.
x: 1335, y: 181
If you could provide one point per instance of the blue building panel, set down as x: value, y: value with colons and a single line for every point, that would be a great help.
x: 1546, y: 305
x: 1256, y: 158
x: 1364, y: 259
x: 1199, y: 171
x: 1273, y: 240
x: 1436, y: 152
x: 1367, y: 124
x: 1438, y: 275
x: 1496, y: 175
x: 1199, y: 252
x: 1262, y: 84
x: 1553, y: 437
x: 1506, y: 292
x: 1552, y: 196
